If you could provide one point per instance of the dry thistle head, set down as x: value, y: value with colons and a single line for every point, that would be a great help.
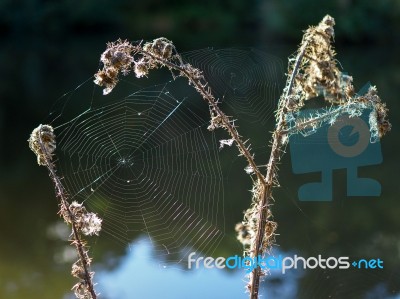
x: 379, y: 117
x: 120, y: 57
x: 43, y: 143
x: 116, y: 58
x: 319, y: 74
x: 87, y: 223
x: 160, y: 47
x: 108, y: 77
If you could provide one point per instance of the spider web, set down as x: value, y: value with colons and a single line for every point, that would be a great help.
x: 146, y: 164
x: 143, y: 159
x: 249, y: 81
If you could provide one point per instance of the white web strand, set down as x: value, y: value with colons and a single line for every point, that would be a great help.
x: 146, y: 164
x: 247, y: 80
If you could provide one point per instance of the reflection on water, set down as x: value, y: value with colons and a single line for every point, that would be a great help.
x: 139, y: 275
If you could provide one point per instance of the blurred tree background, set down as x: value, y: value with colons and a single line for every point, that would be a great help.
x: 49, y: 47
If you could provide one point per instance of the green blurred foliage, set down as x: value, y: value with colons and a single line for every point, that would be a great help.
x: 195, y: 23
x: 356, y: 21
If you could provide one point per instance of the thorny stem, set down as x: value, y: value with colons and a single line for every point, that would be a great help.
x: 207, y: 95
x: 292, y: 78
x: 266, y: 192
x: 76, y: 241
x: 266, y: 182
x: 315, y: 120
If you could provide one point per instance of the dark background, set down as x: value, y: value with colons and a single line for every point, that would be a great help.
x: 49, y: 47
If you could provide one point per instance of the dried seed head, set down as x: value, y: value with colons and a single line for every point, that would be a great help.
x: 107, y: 78
x: 141, y: 68
x: 380, y: 121
x: 77, y: 210
x: 43, y: 143
x: 319, y: 74
x: 91, y: 224
x: 87, y: 223
x: 160, y: 47
x: 118, y: 55
x: 77, y: 270
x: 116, y: 58
x: 327, y: 24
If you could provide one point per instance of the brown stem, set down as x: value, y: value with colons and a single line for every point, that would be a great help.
x: 323, y: 117
x: 266, y: 192
x: 206, y: 94
x: 65, y: 207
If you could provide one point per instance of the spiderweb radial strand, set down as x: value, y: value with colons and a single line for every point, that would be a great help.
x: 145, y: 161
x: 247, y: 80
x: 147, y: 164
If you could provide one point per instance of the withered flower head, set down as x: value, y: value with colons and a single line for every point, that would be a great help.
x: 160, y: 47
x: 116, y: 58
x: 43, y: 143
x: 87, y: 223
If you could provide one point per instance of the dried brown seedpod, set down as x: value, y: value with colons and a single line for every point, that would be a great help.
x: 43, y: 143
x: 118, y: 57
x: 160, y: 47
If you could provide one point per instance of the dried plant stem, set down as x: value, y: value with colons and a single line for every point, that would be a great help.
x: 314, y: 72
x: 325, y: 117
x: 292, y: 77
x: 201, y: 86
x: 66, y: 213
x: 270, y: 178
